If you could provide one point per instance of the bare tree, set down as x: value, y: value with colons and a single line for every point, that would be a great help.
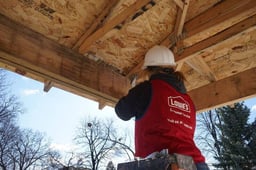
x: 10, y: 107
x: 19, y: 149
x: 8, y: 132
x: 71, y: 159
x: 209, y: 132
x: 29, y: 148
x: 100, y: 140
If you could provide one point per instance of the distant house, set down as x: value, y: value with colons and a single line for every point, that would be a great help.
x: 73, y: 168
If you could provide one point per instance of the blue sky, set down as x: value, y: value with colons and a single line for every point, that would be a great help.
x: 58, y: 113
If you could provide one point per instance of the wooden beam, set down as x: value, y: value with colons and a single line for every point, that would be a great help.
x: 190, y: 52
x: 102, y: 104
x: 27, y: 50
x: 213, y: 21
x: 217, y: 14
x: 220, y: 37
x: 111, y: 24
x: 96, y: 23
x: 181, y: 20
x: 199, y: 65
x: 178, y: 30
x: 179, y: 3
x: 47, y: 85
x: 221, y: 18
x: 223, y: 92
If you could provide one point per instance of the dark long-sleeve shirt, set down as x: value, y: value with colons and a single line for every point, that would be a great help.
x: 135, y: 103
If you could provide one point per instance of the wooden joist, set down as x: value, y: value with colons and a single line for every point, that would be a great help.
x: 216, y: 39
x: 208, y: 23
x: 95, y: 24
x: 111, y: 24
x: 194, y: 27
x: 217, y: 19
x: 47, y: 85
x: 226, y: 91
x: 32, y: 52
x: 198, y: 64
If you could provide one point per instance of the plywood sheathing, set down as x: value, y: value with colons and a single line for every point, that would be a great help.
x: 226, y: 58
x: 218, y: 19
x: 66, y: 21
x: 124, y: 48
x: 200, y: 6
x: 223, y: 47
x: 61, y: 20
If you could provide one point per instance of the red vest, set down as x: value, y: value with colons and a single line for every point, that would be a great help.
x: 168, y: 123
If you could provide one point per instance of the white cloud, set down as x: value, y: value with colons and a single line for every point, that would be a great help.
x: 253, y: 108
x: 28, y: 92
x: 63, y: 147
x: 25, y: 78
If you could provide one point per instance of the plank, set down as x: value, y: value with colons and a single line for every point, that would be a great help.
x: 222, y: 11
x: 223, y: 92
x: 47, y: 85
x: 179, y: 3
x: 191, y: 51
x: 198, y: 64
x: 27, y: 50
x: 181, y: 21
x: 111, y: 24
x: 95, y: 24
x: 220, y: 37
x: 225, y: 19
x: 214, y: 20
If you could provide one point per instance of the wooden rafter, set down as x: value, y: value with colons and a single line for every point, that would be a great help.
x: 111, y: 24
x: 209, y: 42
x: 181, y: 18
x: 199, y: 65
x: 178, y: 29
x: 96, y: 23
x: 222, y: 15
x: 217, y: 19
x: 179, y: 3
x: 31, y: 52
x: 225, y: 91
x: 206, y: 24
x: 47, y: 85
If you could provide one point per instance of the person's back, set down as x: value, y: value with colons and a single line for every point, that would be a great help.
x: 168, y: 123
x: 164, y: 113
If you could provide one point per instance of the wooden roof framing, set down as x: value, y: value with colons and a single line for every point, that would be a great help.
x: 93, y: 48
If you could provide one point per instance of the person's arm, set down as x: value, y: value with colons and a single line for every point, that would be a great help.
x: 135, y: 102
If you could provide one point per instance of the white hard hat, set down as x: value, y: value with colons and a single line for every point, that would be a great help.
x: 159, y: 56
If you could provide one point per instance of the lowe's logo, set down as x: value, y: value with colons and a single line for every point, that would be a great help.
x: 179, y: 103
